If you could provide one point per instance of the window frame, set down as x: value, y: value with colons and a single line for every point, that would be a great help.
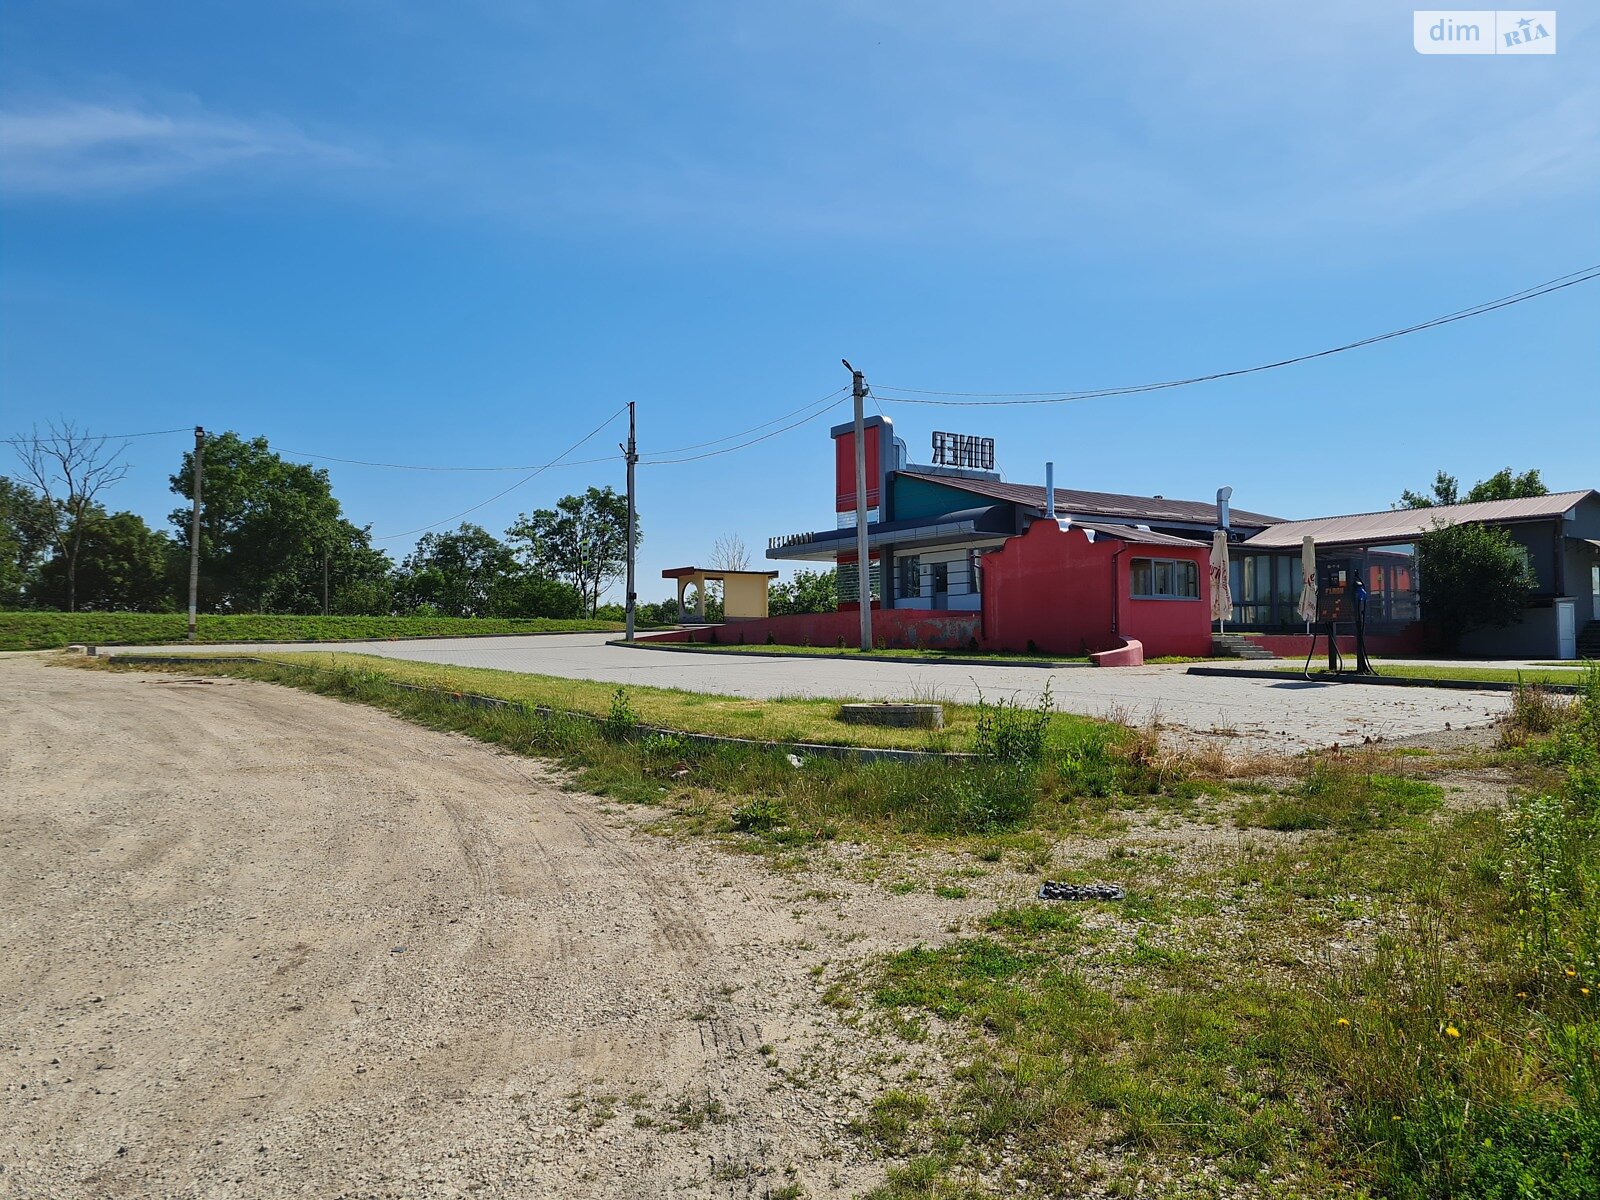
x: 1180, y: 572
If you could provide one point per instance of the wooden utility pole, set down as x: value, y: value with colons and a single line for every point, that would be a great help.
x: 194, y: 527
x: 858, y: 389
x: 324, y: 581
x: 631, y: 451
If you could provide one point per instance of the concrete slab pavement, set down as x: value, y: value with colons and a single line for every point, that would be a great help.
x: 1251, y: 714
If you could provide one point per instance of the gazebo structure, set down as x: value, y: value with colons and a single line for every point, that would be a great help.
x: 744, y: 593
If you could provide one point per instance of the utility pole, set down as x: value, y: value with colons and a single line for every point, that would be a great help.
x: 631, y: 451
x: 858, y: 389
x: 324, y: 581
x: 194, y: 527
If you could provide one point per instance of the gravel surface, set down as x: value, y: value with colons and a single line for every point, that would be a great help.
x: 262, y: 943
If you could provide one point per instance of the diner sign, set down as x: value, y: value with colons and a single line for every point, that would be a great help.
x: 963, y: 450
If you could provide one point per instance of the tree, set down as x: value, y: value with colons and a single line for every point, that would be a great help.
x: 729, y: 553
x: 454, y: 574
x: 807, y: 592
x: 266, y: 526
x: 70, y: 468
x: 1504, y: 484
x: 1472, y: 577
x: 583, y: 541
x: 24, y: 538
x: 125, y: 567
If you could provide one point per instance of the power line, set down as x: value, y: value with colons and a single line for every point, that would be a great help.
x: 360, y: 462
x: 99, y: 437
x: 506, y: 492
x: 837, y: 392
x: 663, y: 462
x: 1018, y: 398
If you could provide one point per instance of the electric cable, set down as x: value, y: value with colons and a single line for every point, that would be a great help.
x: 99, y: 437
x: 663, y: 462
x: 915, y: 395
x: 389, y: 537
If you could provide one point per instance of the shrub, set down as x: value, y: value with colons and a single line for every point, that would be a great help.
x: 621, y: 720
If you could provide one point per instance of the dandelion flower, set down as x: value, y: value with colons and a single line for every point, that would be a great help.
x: 1571, y: 974
x: 1451, y: 1031
x: 1346, y: 1020
x: 1585, y: 991
x: 1522, y: 995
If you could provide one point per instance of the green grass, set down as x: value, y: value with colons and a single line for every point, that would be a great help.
x: 1468, y: 674
x: 794, y: 719
x: 1342, y: 796
x: 50, y: 630
x: 1448, y: 1046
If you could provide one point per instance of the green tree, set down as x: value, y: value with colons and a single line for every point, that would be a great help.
x: 266, y: 527
x: 582, y: 541
x: 807, y: 592
x: 454, y: 574
x: 124, y: 566
x: 24, y: 539
x: 1472, y: 577
x: 1504, y: 484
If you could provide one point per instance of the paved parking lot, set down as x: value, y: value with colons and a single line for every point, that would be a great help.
x: 1255, y: 714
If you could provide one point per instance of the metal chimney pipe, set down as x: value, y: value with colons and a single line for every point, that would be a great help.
x: 1050, y: 490
x: 1224, y: 494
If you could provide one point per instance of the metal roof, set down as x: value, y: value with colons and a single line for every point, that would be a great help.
x: 1142, y: 537
x: 1404, y: 524
x: 1153, y: 510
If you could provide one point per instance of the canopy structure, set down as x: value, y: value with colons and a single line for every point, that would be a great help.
x: 744, y: 593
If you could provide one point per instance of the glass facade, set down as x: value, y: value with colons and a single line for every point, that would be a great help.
x: 1266, y: 587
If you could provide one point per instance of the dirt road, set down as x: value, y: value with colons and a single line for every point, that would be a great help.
x: 260, y: 943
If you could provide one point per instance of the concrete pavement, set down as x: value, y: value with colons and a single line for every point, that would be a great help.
x: 1252, y: 714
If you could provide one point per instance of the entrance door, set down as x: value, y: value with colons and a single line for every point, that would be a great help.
x: 1566, y: 630
x: 941, y: 585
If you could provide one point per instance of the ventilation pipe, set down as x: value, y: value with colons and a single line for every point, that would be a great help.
x: 1050, y: 490
x: 1224, y: 494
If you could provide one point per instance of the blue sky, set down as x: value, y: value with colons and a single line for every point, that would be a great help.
x: 461, y: 234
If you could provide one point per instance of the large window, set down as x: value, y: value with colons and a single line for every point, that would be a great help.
x: 1164, y: 579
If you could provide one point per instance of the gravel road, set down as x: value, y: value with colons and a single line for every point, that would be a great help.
x: 261, y: 943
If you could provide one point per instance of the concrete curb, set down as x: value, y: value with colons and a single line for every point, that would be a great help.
x: 473, y: 700
x: 1459, y: 685
x: 399, y: 637
x: 971, y: 660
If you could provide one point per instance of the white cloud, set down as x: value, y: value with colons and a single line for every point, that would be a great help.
x: 89, y: 149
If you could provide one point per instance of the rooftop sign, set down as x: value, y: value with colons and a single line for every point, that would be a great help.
x: 963, y: 450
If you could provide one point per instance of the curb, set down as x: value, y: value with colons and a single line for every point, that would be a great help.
x: 971, y: 660
x: 1459, y: 685
x: 867, y: 754
x: 398, y: 637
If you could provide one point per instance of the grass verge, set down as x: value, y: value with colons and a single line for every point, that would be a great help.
x: 52, y: 630
x: 1573, y: 675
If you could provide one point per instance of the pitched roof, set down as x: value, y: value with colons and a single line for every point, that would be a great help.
x: 1154, y: 510
x: 1403, y: 524
x: 1142, y: 537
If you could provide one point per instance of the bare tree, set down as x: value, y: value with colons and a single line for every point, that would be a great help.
x: 70, y: 467
x: 729, y: 553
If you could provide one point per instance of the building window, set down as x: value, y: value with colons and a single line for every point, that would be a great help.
x: 1164, y: 579
x: 848, y: 581
x: 910, y: 576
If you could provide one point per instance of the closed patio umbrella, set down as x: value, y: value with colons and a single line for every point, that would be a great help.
x: 1308, y: 581
x: 1221, y: 588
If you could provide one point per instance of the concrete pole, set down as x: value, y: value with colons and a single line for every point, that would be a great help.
x: 858, y: 389
x: 194, y: 527
x: 632, y: 599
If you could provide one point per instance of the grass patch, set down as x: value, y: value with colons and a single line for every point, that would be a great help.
x: 1339, y: 794
x: 1546, y: 675
x: 794, y: 719
x: 52, y: 630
